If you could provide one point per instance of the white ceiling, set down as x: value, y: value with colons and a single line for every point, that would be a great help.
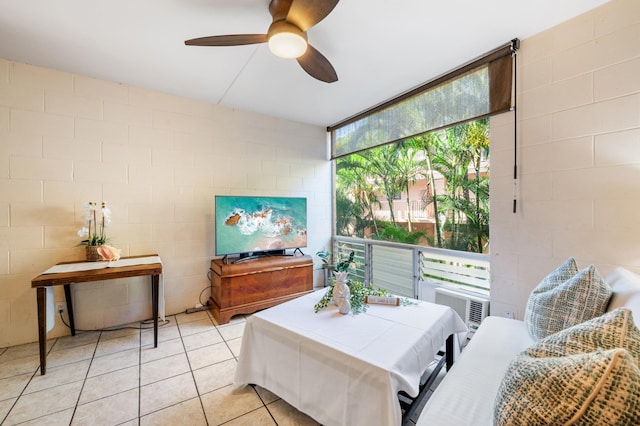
x: 379, y: 48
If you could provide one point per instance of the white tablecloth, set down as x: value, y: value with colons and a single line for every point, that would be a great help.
x: 343, y: 369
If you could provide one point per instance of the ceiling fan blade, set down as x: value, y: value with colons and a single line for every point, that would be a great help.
x: 279, y: 9
x: 317, y: 66
x: 227, y: 40
x: 306, y: 13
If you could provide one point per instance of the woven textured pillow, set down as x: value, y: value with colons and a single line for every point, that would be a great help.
x: 562, y: 300
x: 596, y: 388
x: 558, y: 276
x: 612, y: 330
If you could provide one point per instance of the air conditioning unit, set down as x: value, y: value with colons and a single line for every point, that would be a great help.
x: 472, y: 309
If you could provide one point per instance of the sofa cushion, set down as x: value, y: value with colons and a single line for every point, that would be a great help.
x: 600, y: 387
x: 626, y: 291
x: 611, y: 330
x: 467, y: 394
x: 565, y: 298
x: 535, y: 320
x: 468, y: 391
x: 585, y: 374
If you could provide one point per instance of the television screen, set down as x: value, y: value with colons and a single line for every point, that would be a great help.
x: 259, y: 224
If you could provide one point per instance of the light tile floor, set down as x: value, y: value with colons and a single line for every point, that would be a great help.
x: 119, y: 378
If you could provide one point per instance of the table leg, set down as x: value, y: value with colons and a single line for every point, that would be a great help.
x: 41, y: 295
x: 449, y: 352
x: 155, y: 280
x: 411, y: 407
x: 67, y: 298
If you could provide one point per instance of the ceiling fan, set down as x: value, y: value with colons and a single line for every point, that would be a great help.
x: 287, y: 35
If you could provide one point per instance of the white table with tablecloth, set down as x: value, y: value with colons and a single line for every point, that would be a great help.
x: 343, y: 369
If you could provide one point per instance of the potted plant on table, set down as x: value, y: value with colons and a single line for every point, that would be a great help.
x: 355, y: 292
x: 96, y: 219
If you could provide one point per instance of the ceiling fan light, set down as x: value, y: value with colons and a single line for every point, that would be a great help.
x: 287, y: 45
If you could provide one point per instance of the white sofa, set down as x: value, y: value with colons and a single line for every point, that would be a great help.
x: 467, y: 393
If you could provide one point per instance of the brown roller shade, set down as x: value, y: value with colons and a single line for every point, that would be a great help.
x: 480, y: 88
x: 500, y: 84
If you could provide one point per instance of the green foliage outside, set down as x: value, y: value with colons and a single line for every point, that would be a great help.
x: 373, y: 179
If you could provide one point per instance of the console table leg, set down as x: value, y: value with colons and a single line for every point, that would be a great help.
x: 41, y: 295
x: 67, y: 298
x: 155, y: 280
x: 449, y: 352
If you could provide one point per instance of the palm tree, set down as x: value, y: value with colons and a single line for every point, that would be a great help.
x: 381, y: 165
x: 459, y: 148
x: 352, y: 196
x: 427, y: 143
x: 353, y: 184
x: 477, y: 133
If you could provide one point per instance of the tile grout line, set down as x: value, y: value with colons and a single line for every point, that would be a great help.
x: 227, y: 337
x: 25, y: 387
x: 35, y: 373
x: 193, y: 377
x: 84, y: 381
x: 264, y: 404
x: 140, y: 362
x: 140, y: 378
x: 235, y: 357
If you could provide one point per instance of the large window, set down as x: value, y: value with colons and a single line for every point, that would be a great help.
x: 415, y: 169
x: 442, y: 179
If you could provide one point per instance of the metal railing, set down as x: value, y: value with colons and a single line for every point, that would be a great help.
x: 403, y: 268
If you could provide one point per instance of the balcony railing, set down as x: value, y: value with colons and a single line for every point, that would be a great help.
x: 404, y: 269
x: 419, y: 210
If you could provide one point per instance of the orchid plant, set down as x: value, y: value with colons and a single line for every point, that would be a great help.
x: 96, y: 219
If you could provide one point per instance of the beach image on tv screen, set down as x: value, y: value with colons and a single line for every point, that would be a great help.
x: 250, y: 224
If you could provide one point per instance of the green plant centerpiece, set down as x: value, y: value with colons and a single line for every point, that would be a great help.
x: 357, y: 290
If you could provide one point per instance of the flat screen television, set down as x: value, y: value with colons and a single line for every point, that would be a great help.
x: 251, y: 227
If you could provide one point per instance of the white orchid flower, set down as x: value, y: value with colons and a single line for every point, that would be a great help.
x: 97, y: 216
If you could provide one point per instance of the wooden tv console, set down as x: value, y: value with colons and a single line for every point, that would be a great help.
x: 248, y: 286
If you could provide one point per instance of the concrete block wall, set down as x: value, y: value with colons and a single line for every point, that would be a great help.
x: 578, y: 190
x: 157, y: 160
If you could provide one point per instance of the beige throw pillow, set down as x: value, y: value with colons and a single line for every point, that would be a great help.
x: 609, y: 331
x: 596, y: 388
x: 584, y: 375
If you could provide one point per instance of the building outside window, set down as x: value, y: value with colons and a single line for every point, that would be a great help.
x: 430, y: 190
